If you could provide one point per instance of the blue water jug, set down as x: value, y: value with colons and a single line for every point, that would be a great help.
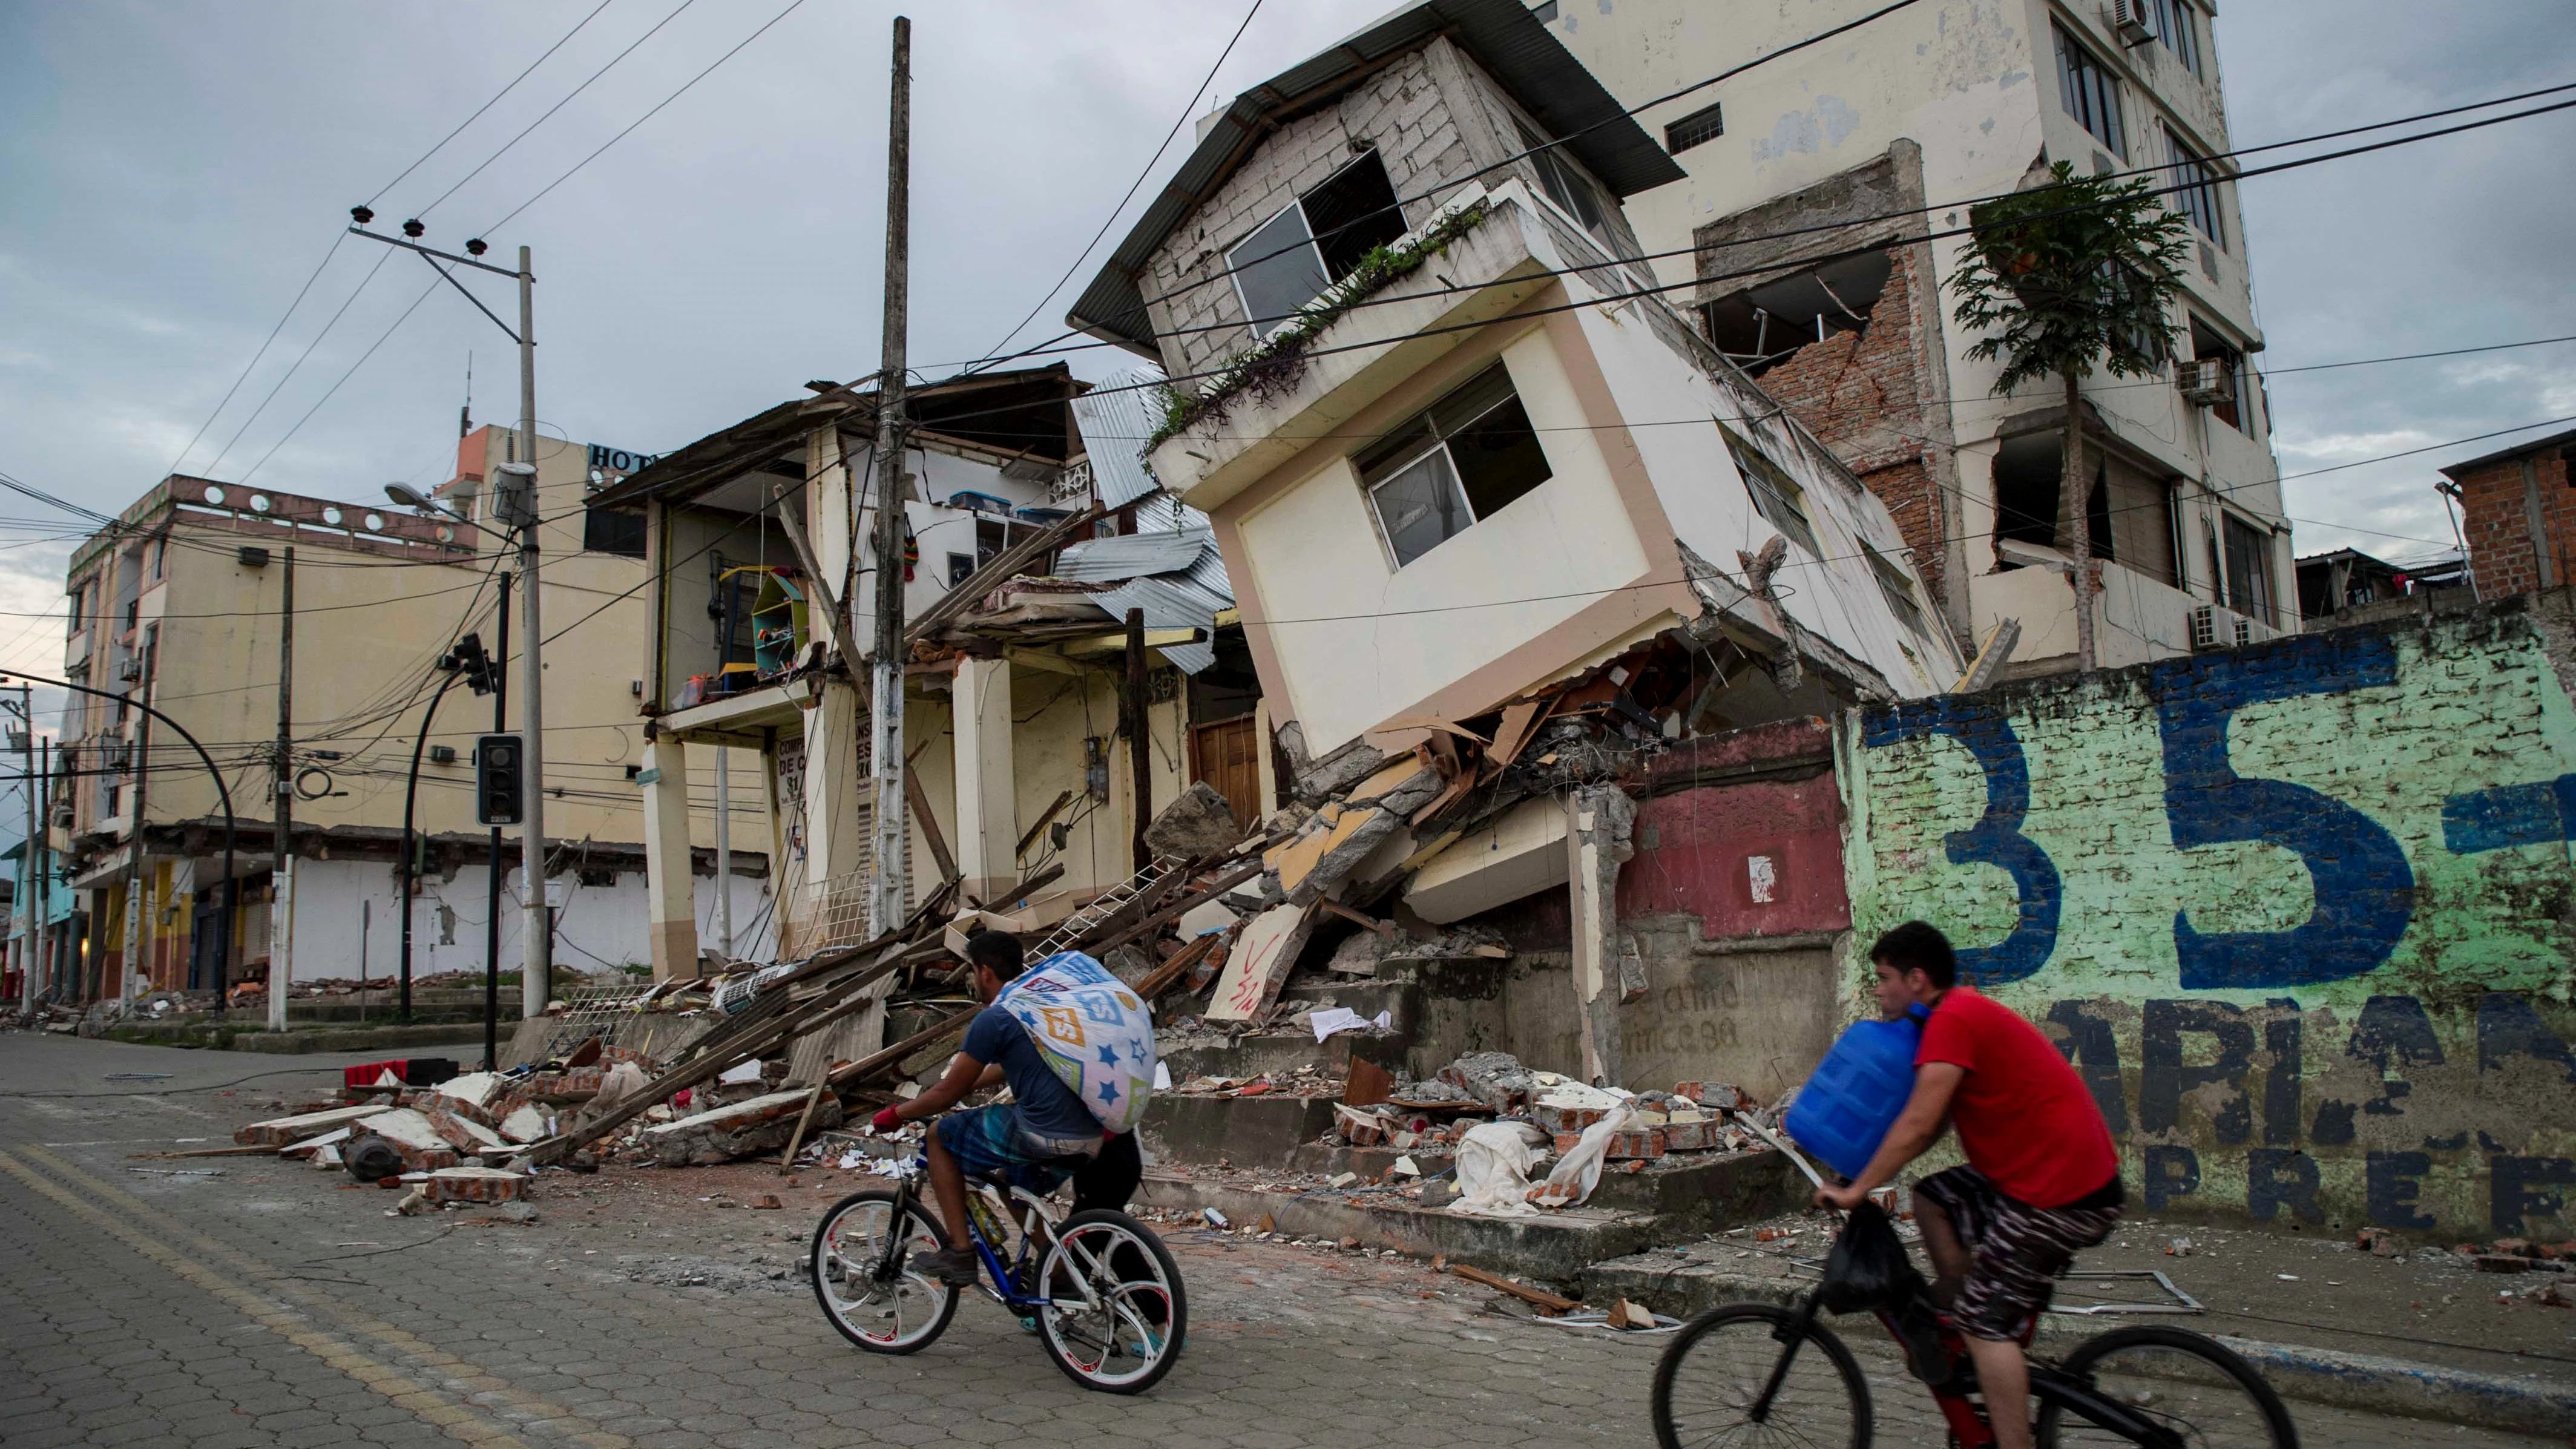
x: 1846, y: 1107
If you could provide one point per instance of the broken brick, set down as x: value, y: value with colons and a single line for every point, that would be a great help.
x: 284, y: 1131
x: 473, y: 1184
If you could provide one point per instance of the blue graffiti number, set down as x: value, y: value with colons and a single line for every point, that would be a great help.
x: 2365, y: 890
x: 1996, y: 838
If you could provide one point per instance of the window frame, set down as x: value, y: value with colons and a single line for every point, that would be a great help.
x: 1313, y: 245
x: 2258, y: 551
x: 2176, y: 15
x: 1696, y: 129
x: 1557, y: 170
x: 2076, y: 65
x: 1897, y: 587
x: 2196, y: 183
x: 1393, y: 462
x: 1764, y: 479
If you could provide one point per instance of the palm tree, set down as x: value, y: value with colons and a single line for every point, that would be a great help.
x: 2067, y: 276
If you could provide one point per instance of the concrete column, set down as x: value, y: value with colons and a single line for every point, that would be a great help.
x: 670, y: 882
x: 1598, y: 822
x: 988, y: 817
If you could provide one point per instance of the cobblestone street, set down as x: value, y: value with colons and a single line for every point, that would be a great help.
x: 248, y: 1301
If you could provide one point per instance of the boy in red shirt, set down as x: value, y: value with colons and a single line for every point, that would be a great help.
x: 2042, y: 1180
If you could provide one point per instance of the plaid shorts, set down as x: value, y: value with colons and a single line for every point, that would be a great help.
x: 2019, y: 1249
x: 990, y: 1138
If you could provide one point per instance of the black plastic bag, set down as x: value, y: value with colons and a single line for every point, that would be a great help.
x: 1868, y: 1267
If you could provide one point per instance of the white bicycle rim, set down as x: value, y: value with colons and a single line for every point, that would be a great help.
x: 1112, y: 1339
x: 911, y: 1309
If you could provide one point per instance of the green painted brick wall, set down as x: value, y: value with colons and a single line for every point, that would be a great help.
x: 2301, y: 914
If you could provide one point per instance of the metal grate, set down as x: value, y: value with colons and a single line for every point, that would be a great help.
x: 601, y: 1011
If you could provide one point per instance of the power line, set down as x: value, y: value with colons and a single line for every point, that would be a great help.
x: 298, y: 364
x: 2427, y: 448
x: 1188, y: 109
x: 559, y: 105
x: 265, y: 343
x: 343, y: 379
x: 648, y: 115
x: 487, y: 105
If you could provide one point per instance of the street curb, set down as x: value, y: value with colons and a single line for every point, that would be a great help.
x: 2369, y: 1382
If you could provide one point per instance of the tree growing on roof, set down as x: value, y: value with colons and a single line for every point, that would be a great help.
x: 2064, y: 277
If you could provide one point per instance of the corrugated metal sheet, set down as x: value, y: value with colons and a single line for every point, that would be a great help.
x: 1172, y: 601
x: 1115, y: 425
x: 1504, y: 37
x: 1107, y: 560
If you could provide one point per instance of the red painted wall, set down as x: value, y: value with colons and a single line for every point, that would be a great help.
x: 1757, y: 815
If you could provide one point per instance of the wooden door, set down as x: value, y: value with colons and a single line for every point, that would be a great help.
x: 1225, y: 753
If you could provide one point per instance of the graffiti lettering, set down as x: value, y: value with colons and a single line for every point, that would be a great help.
x: 2095, y: 1053
x: 2514, y: 1179
x: 2163, y: 1081
x: 2170, y: 1172
x: 1996, y: 838
x: 2508, y: 1027
x: 2281, y: 1038
x: 2392, y: 1186
x: 2510, y: 815
x: 2276, y: 1178
x: 2365, y: 890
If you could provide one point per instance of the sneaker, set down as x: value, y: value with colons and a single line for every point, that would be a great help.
x: 956, y: 1267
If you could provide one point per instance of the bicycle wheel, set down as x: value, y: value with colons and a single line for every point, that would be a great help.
x: 901, y: 1314
x: 1716, y: 1368
x: 1115, y: 1317
x: 2207, y: 1396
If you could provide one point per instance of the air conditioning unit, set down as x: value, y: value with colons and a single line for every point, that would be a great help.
x: 2129, y: 21
x: 2204, y: 382
x: 2244, y: 632
x: 116, y: 755
x: 2204, y: 627
x: 130, y: 668
x: 2216, y: 627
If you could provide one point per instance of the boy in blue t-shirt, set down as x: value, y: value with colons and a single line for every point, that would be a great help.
x: 1030, y: 1136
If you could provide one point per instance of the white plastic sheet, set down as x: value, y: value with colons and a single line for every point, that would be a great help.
x: 1494, y: 1161
x: 1579, y: 1171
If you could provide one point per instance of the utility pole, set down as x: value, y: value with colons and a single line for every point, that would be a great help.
x: 131, y: 964
x: 1140, y: 753
x: 885, y: 894
x: 281, y: 908
x: 724, y: 852
x: 536, y: 919
x: 44, y: 874
x: 25, y: 900
x: 492, y: 859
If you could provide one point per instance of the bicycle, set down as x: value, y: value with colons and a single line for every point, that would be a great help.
x: 2153, y: 1385
x: 1103, y: 1292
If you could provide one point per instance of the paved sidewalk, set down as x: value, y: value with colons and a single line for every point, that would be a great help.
x: 247, y: 1301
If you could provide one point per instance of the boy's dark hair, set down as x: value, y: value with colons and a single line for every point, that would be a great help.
x: 1918, y: 946
x: 998, y: 952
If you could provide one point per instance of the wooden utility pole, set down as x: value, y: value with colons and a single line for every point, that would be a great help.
x: 281, y: 908
x: 886, y: 756
x: 1140, y: 753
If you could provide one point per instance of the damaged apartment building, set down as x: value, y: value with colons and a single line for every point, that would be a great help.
x: 1032, y: 712
x: 1545, y: 596
x: 1823, y: 201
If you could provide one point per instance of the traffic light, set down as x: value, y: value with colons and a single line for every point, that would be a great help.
x: 468, y: 656
x: 497, y: 796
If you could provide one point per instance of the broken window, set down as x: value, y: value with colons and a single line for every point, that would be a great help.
x: 2029, y: 498
x: 1706, y: 124
x: 2175, y: 27
x: 961, y: 567
x: 1316, y: 241
x: 2197, y: 197
x: 2091, y: 93
x: 2249, y: 569
x: 1571, y: 190
x: 2208, y: 347
x: 1776, y: 495
x: 1763, y: 325
x: 1464, y: 459
x: 1898, y: 587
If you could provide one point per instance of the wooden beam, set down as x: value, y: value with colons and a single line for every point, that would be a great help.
x: 851, y: 1073
x: 1005, y: 565
x: 919, y: 799
x: 1538, y: 1298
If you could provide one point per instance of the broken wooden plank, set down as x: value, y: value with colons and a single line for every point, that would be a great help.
x: 852, y: 1073
x: 1164, y: 977
x: 919, y: 800
x: 796, y: 1138
x: 1260, y: 964
x: 1357, y: 918
x: 1046, y: 817
x: 1242, y: 872
x: 1003, y: 567
x: 1519, y: 724
x: 1538, y: 1298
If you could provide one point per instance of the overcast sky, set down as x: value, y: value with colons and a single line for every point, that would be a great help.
x: 174, y: 171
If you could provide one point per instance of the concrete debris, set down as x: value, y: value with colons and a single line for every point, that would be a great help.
x: 762, y: 1124
x: 283, y: 1131
x: 1497, y: 1079
x: 473, y: 1184
x: 461, y: 1131
x: 526, y: 1123
x: 1318, y: 780
x: 422, y: 1147
x: 1196, y: 826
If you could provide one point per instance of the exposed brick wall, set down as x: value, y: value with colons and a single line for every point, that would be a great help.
x: 1862, y: 394
x: 2497, y: 504
x: 1435, y: 118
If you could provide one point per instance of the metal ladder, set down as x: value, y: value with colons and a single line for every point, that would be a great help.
x: 1101, y: 907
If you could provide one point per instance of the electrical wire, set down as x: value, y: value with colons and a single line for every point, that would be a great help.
x: 298, y: 364
x: 1188, y: 109
x: 487, y: 105
x: 344, y: 377
x: 225, y: 401
x: 557, y: 106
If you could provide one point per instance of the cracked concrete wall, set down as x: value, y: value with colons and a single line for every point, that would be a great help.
x: 2301, y: 914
